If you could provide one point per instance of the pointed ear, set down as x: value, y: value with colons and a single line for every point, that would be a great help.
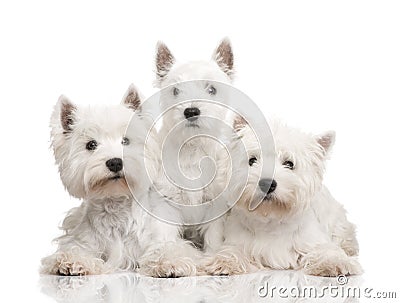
x: 164, y: 60
x: 66, y: 110
x: 326, y: 140
x: 223, y: 55
x: 132, y: 98
x: 239, y: 123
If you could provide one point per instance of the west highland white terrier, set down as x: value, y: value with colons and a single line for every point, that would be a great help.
x: 109, y: 231
x: 297, y: 224
x: 197, y: 114
x: 189, y: 113
x: 191, y: 103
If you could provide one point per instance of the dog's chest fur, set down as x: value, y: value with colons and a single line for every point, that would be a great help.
x: 276, y: 243
x: 112, y: 218
x: 192, y: 166
x: 190, y: 156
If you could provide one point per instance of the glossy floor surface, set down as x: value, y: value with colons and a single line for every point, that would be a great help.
x: 271, y: 286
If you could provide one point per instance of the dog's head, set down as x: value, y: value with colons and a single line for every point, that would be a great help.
x: 299, y: 163
x: 177, y: 80
x: 88, y: 143
x: 194, y: 106
x: 219, y: 68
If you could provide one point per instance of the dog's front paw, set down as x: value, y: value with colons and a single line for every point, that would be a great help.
x: 72, y: 268
x: 70, y: 264
x: 170, y: 260
x: 162, y: 267
x: 228, y: 261
x: 223, y: 266
x: 331, y: 264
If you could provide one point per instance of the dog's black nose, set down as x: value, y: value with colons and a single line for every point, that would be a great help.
x: 267, y: 185
x: 191, y: 113
x: 114, y: 164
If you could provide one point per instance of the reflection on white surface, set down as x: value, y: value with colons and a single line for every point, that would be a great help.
x: 274, y: 286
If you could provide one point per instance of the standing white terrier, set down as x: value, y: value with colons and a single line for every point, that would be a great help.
x: 185, y: 114
x: 109, y: 231
x: 297, y: 224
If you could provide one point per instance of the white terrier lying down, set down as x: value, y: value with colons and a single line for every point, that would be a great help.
x: 298, y: 224
x: 109, y: 232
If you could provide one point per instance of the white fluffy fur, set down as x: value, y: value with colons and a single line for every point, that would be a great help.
x: 299, y: 226
x: 109, y: 231
x: 179, y: 258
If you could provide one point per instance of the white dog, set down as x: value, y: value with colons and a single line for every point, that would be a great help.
x: 185, y: 114
x: 109, y: 232
x: 298, y: 224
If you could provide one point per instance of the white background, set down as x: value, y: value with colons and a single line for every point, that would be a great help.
x: 317, y: 64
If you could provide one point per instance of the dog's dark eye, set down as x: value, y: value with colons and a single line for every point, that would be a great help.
x: 252, y: 160
x: 176, y: 91
x: 125, y: 141
x: 212, y: 90
x: 91, y: 145
x: 288, y: 164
